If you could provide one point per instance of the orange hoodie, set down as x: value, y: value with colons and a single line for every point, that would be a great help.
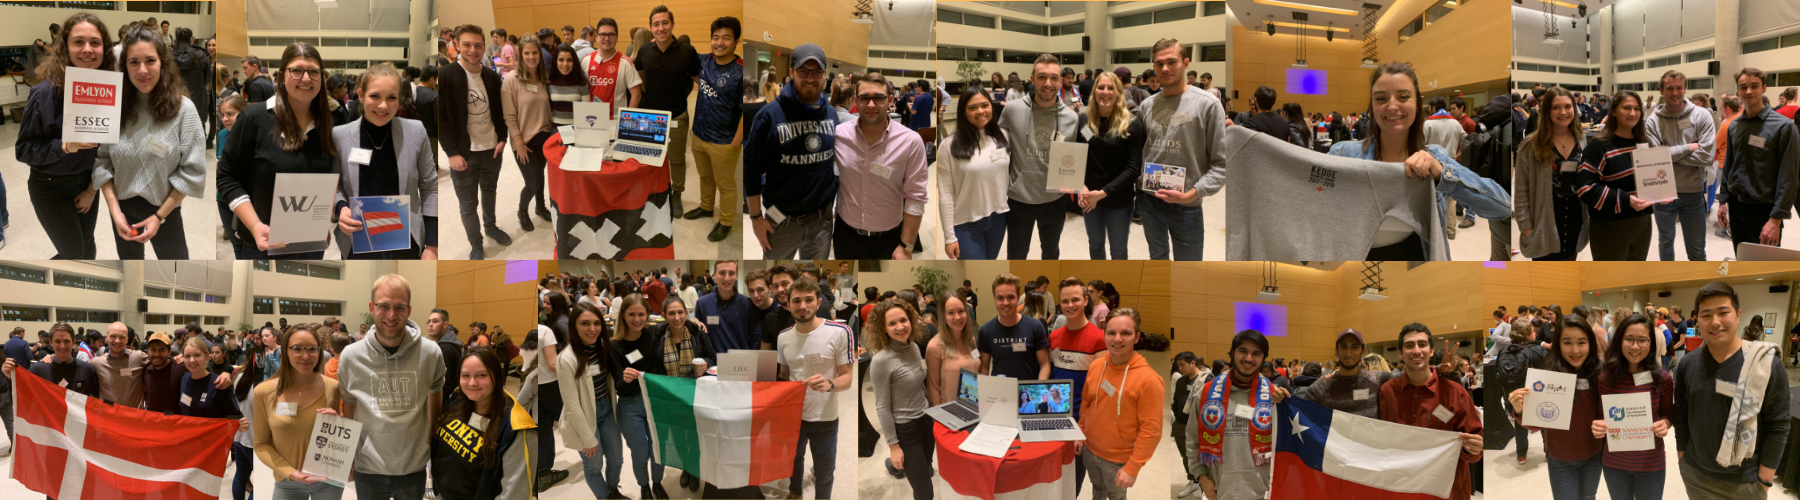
x: 1123, y: 427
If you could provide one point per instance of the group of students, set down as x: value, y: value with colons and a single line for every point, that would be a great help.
x: 1576, y: 191
x: 910, y: 374
x: 1727, y: 402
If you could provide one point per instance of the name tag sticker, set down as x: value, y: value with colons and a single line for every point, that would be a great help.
x: 712, y: 320
x: 1568, y: 166
x: 1443, y: 414
x: 62, y: 383
x: 1243, y: 411
x: 633, y: 356
x: 774, y: 215
x: 531, y: 87
x: 1581, y: 384
x: 361, y: 156
x: 1757, y: 141
x: 1018, y: 347
x: 158, y: 147
x: 477, y: 421
x: 1641, y: 378
x: 1360, y: 395
x: 187, y: 400
x: 674, y: 124
x: 880, y: 170
x: 1107, y: 386
x: 285, y: 409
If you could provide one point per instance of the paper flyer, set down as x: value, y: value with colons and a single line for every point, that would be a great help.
x: 91, y: 102
x: 1068, y: 166
x: 302, y: 218
x: 332, y: 449
x: 1157, y: 177
x: 1628, y: 423
x: 1549, y: 398
x: 999, y: 404
x: 1655, y: 173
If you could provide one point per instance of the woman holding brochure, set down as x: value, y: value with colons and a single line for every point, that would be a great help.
x: 481, y: 441
x: 160, y: 158
x: 1618, y: 221
x: 1630, y: 369
x: 387, y: 156
x: 973, y: 169
x: 1574, y: 453
x: 61, y: 182
x: 288, y: 134
x: 898, y: 375
x: 284, y: 410
x: 585, y: 372
x: 526, y: 99
x: 1115, y: 139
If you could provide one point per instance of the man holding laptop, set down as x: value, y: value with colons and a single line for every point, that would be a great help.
x: 1119, y: 443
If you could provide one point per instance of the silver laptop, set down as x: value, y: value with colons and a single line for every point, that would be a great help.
x: 642, y: 135
x: 1045, y: 407
x: 959, y: 413
x: 1748, y: 251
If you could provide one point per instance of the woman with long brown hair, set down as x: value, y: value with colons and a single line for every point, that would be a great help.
x: 62, y: 180
x: 289, y: 134
x: 284, y: 409
x: 1618, y: 220
x: 952, y: 349
x: 1552, y: 223
x: 1397, y: 135
x: 160, y: 158
x: 585, y: 374
x: 400, y: 163
x: 629, y: 337
x: 480, y: 444
x: 526, y: 99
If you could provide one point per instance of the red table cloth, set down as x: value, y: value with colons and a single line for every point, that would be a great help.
x: 620, y: 212
x: 1038, y: 471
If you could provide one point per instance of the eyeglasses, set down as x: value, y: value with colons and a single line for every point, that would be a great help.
x: 304, y: 349
x: 303, y: 74
x: 809, y: 73
x: 385, y: 308
x: 608, y: 35
x: 871, y: 98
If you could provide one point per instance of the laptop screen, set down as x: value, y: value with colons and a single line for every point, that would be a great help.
x: 966, y: 389
x: 1047, y: 398
x: 641, y: 127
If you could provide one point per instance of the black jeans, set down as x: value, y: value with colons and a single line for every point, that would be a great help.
x: 170, y: 240
x: 53, y: 198
x: 917, y: 443
x: 483, y: 174
x: 1626, y: 239
x: 1048, y: 217
x: 853, y: 245
x: 1747, y: 220
x: 533, y: 171
x: 550, y: 408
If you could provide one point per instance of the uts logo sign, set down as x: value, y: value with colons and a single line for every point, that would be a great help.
x: 95, y: 94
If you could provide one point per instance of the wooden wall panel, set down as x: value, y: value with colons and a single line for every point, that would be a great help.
x: 477, y: 291
x: 1462, y: 48
x: 1259, y: 59
x: 822, y: 22
x: 230, y: 22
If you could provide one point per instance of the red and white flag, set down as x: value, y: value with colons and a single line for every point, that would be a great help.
x: 73, y: 447
x: 381, y: 222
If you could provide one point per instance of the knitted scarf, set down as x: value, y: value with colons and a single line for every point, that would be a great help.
x: 1213, y: 416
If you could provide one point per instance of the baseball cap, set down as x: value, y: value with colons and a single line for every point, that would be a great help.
x: 1349, y: 331
x: 160, y: 336
x: 809, y: 52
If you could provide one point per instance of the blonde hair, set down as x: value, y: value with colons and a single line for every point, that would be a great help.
x: 1121, y: 125
x: 393, y: 280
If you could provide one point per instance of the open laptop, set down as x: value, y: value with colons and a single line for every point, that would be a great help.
x: 1748, y: 251
x: 1045, y: 407
x: 960, y: 413
x: 642, y: 135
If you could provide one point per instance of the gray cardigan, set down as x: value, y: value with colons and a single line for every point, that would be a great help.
x: 1534, y: 207
x: 136, y: 172
x: 420, y: 181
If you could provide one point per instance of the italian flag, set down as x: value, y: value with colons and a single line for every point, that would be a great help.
x: 731, y: 434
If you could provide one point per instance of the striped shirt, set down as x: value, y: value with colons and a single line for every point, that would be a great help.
x: 565, y: 91
x: 1072, y: 352
x: 1662, y: 405
x: 1605, y: 181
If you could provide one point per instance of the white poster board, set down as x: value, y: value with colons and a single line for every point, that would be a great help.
x: 594, y: 123
x: 999, y: 403
x: 1549, y: 397
x: 744, y: 365
x: 1655, y: 173
x: 1628, y: 422
x: 91, y: 102
x: 301, y: 217
x: 1068, y: 167
x: 332, y: 449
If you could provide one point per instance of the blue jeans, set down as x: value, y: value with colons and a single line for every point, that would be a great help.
x: 1628, y: 485
x: 1164, y: 221
x: 635, y: 424
x: 1107, y: 225
x: 980, y: 240
x: 823, y: 438
x: 245, y: 458
x: 602, y: 469
x: 1690, y: 209
x: 1575, y: 479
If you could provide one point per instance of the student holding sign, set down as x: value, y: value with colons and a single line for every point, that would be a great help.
x: 1688, y: 131
x: 387, y: 156
x: 284, y: 410
x: 160, y: 158
x: 61, y: 182
x: 1630, y: 369
x: 1115, y: 139
x: 479, y: 447
x: 1574, y: 452
x: 288, y: 134
x: 1029, y: 130
x: 1618, y: 220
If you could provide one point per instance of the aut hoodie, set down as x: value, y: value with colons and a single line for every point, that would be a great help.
x: 456, y: 470
x: 389, y: 390
x: 788, y: 157
x: 1030, y: 130
x: 1123, y: 425
x: 1677, y: 131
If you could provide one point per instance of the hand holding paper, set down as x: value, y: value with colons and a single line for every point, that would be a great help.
x: 1549, y: 400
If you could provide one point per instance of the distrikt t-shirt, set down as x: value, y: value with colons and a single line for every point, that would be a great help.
x: 1014, y: 348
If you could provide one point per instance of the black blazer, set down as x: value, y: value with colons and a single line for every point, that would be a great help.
x: 453, y: 108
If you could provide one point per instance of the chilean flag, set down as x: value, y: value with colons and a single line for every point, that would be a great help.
x: 73, y: 447
x: 1324, y: 453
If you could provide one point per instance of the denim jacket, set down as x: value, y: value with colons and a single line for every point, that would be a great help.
x: 1480, y: 195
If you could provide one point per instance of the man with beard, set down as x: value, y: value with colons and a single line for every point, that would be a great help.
x: 1232, y: 430
x: 1420, y: 398
x: 162, y: 379
x: 390, y: 384
x: 792, y: 143
x: 781, y: 278
x: 1350, y: 389
x: 817, y: 353
x: 1716, y: 390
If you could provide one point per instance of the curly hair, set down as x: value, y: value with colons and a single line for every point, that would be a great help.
x: 875, y: 330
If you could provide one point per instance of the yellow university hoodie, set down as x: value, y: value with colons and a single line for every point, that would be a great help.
x: 1124, y: 426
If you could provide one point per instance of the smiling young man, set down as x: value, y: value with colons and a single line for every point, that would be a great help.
x: 669, y: 68
x: 1118, y: 443
x: 1420, y: 398
x: 777, y: 317
x: 792, y: 141
x: 725, y: 312
x: 1187, y: 130
x: 1032, y: 127
x: 1689, y: 133
x: 1350, y: 389
x: 1074, y: 346
x: 390, y: 383
x: 1762, y: 168
x: 121, y: 369
x: 1231, y: 431
x: 470, y: 105
x: 881, y: 169
x: 1731, y: 405
x: 606, y: 83
x: 1013, y: 344
x: 719, y: 127
x: 815, y: 352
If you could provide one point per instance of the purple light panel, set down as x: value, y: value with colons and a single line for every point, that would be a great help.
x: 1270, y: 319
x: 521, y: 270
x: 1306, y: 81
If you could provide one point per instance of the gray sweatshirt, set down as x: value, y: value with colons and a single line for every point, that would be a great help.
x: 1237, y: 477
x: 1187, y: 131
x: 898, y: 376
x: 390, y: 392
x: 1292, y: 203
x: 1030, y: 130
x: 138, y: 172
x: 1678, y: 130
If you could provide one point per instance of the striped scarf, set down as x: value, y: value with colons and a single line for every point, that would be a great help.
x: 1213, y: 416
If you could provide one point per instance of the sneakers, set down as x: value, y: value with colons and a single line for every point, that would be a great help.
x: 525, y: 222
x: 1467, y: 222
x: 697, y: 213
x: 895, y: 472
x: 1189, y: 490
x: 719, y: 232
x: 498, y: 235
x: 1521, y: 459
x: 546, y: 481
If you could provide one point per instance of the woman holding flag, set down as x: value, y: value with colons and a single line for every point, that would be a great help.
x: 637, y: 352
x: 1574, y: 453
x: 585, y: 372
x: 160, y: 158
x: 480, y: 449
x: 1629, y: 369
x: 398, y: 162
x: 61, y: 182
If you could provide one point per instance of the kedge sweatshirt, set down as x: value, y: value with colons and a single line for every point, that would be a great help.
x: 1291, y: 203
x: 1123, y: 427
x: 788, y: 156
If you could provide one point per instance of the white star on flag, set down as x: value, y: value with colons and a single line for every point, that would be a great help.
x: 592, y: 242
x: 656, y: 220
x: 1299, y: 428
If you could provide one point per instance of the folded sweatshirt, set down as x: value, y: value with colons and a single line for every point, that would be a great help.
x: 1124, y: 426
x: 1292, y: 203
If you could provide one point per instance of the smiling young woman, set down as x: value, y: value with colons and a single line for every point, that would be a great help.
x: 61, y: 182
x: 160, y: 158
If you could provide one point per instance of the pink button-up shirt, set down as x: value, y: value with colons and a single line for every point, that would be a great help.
x: 879, y: 183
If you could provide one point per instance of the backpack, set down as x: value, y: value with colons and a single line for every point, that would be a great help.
x: 1512, y: 365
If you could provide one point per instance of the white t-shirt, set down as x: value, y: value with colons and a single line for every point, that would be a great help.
x: 546, y: 338
x: 481, y: 121
x: 831, y: 343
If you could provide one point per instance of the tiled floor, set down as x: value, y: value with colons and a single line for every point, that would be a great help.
x: 1717, y: 247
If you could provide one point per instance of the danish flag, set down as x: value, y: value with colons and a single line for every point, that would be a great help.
x: 74, y: 447
x: 381, y: 222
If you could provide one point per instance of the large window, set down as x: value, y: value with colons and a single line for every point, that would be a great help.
x: 185, y: 319
x: 1630, y: 67
x: 1704, y: 55
x: 163, y: 7
x: 16, y: 273
x: 1213, y: 9
x: 294, y: 268
x: 1699, y: 83
x: 260, y: 265
x: 946, y: 53
x: 327, y: 272
x: 1431, y: 15
x: 1666, y: 61
x: 87, y: 283
x: 312, y: 270
x: 1068, y: 29
x: 161, y: 293
x: 1212, y: 53
x: 23, y: 313
x: 1024, y: 27
x: 188, y: 296
x: 954, y: 17
x: 157, y: 319
x: 1128, y: 21
x: 314, y: 308
x: 218, y: 299
x: 1138, y: 56
x: 215, y: 320
x: 1017, y: 57
x: 1772, y: 43
x: 1172, y: 15
x: 86, y: 316
x: 1073, y: 59
x: 262, y: 305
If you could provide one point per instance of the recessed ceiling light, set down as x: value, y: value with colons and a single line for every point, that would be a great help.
x: 1302, y: 6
